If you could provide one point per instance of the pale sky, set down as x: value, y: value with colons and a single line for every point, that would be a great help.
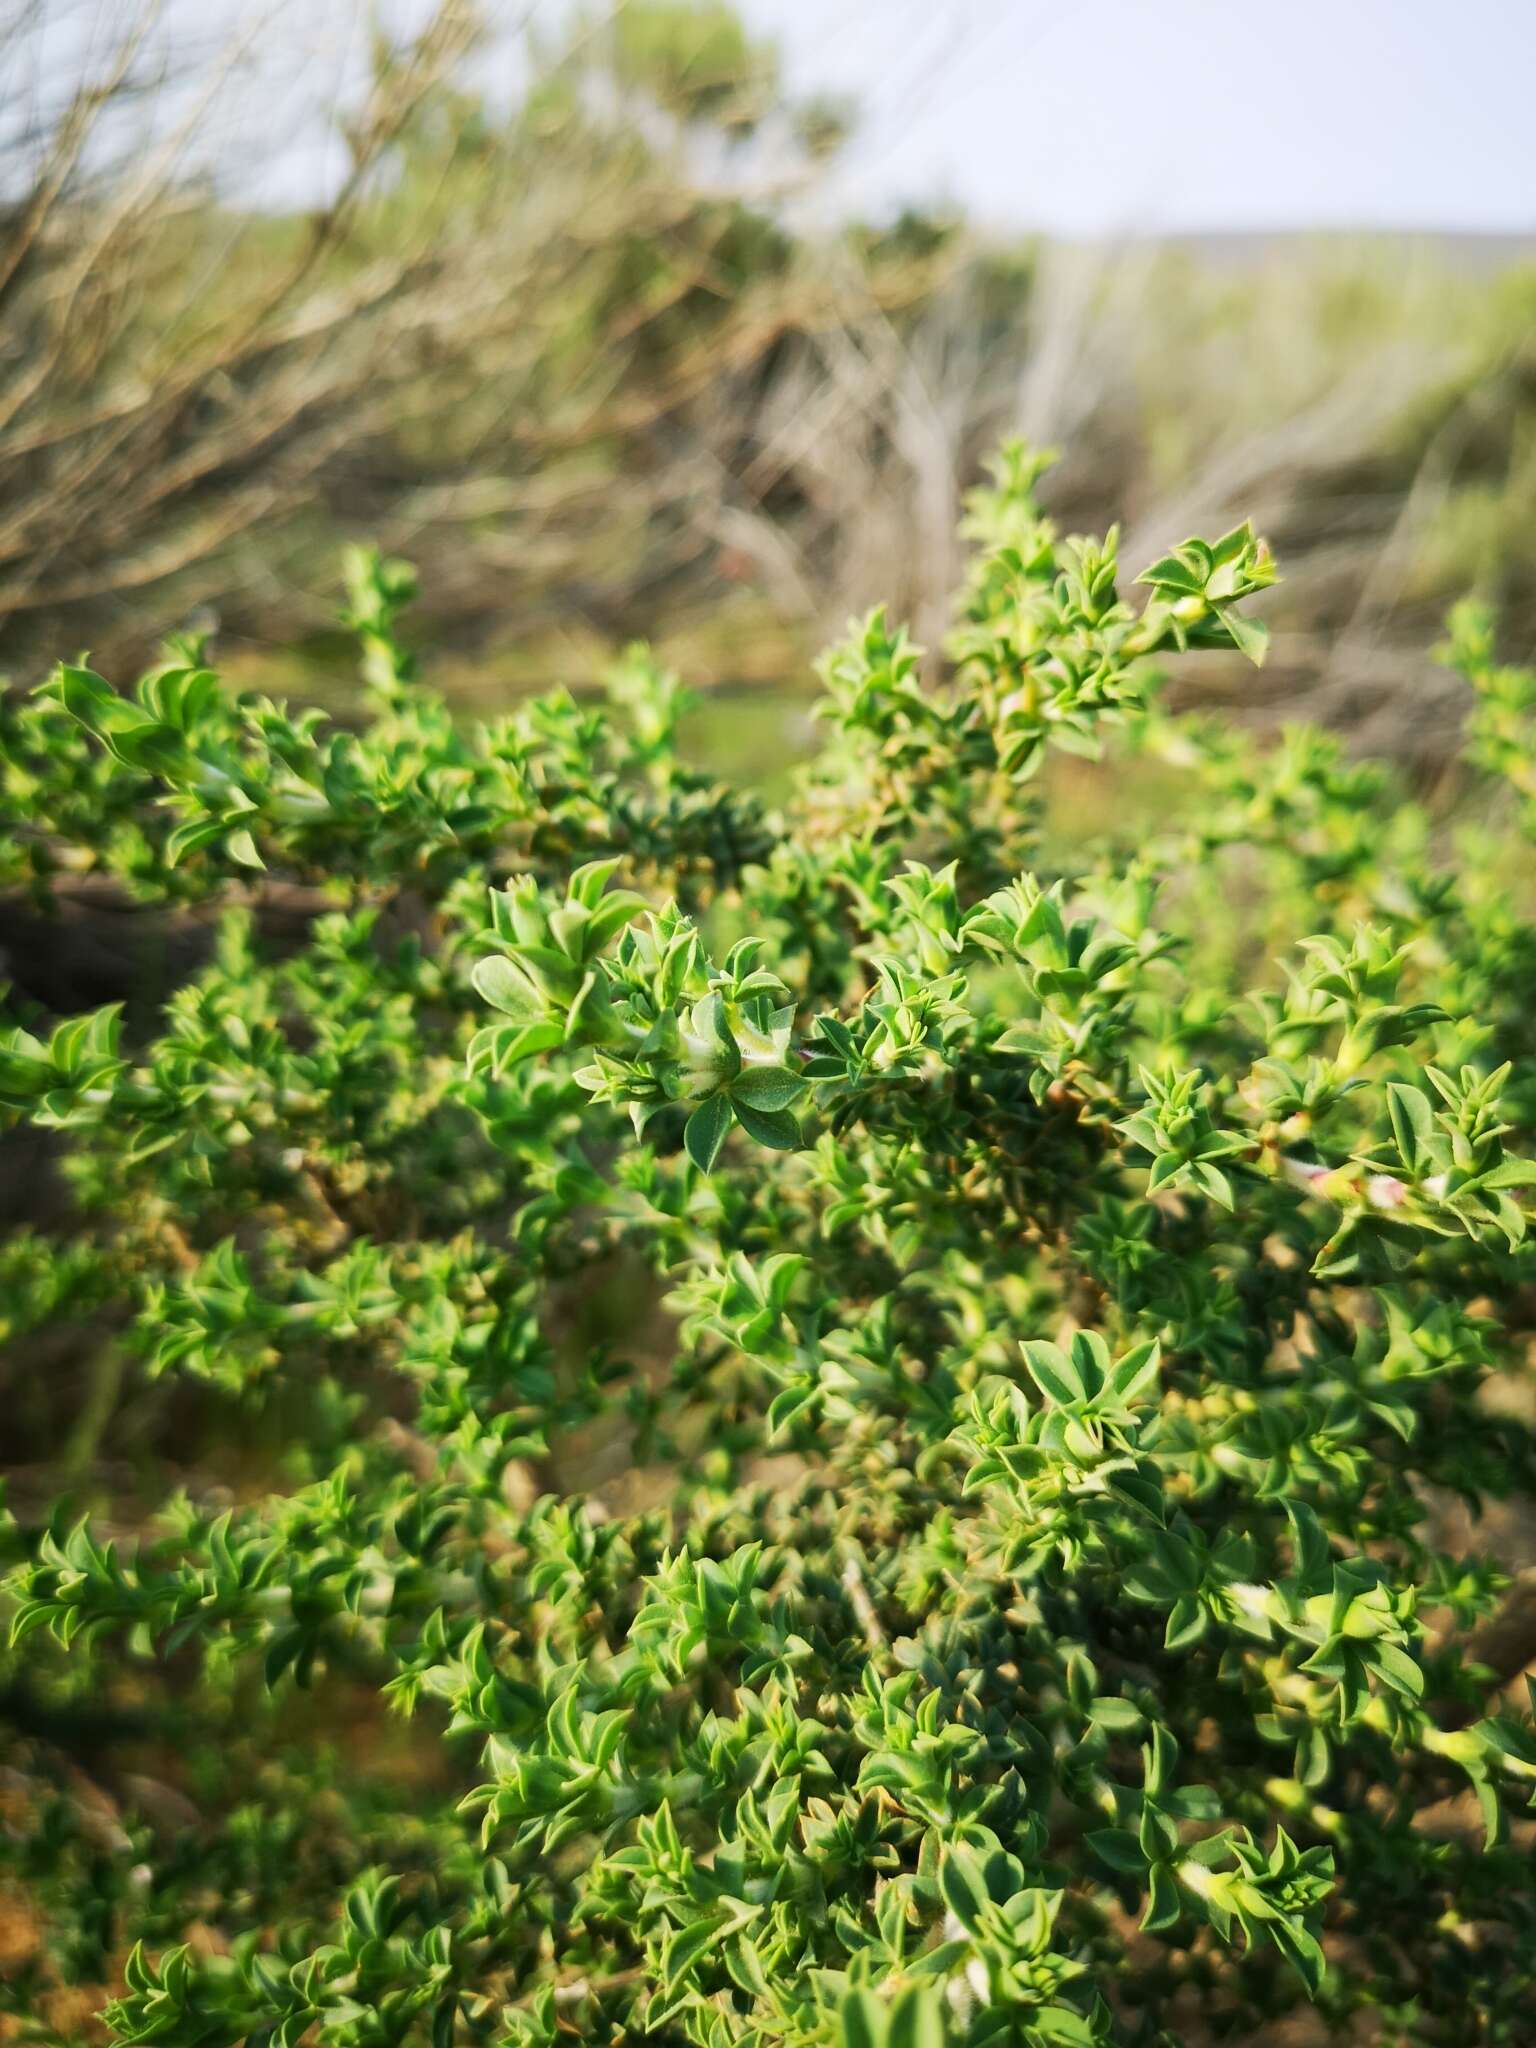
x: 1135, y: 115
x: 1081, y: 117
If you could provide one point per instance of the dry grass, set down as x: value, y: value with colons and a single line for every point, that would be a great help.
x: 587, y: 375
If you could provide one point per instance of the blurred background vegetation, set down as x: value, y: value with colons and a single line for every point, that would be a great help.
x: 588, y: 352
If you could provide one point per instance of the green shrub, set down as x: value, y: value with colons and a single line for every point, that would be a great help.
x: 1081, y: 1288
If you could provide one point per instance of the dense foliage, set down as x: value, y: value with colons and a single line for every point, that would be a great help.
x: 998, y: 1602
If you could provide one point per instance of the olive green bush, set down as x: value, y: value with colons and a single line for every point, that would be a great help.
x: 985, y: 1586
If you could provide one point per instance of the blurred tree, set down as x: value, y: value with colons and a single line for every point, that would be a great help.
x: 480, y: 345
